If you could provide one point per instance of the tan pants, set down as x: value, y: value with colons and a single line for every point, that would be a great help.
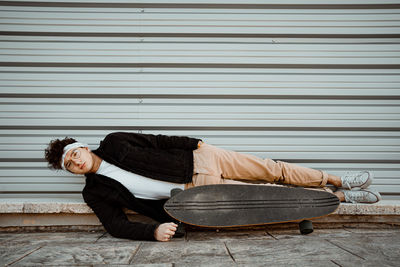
x: 213, y: 165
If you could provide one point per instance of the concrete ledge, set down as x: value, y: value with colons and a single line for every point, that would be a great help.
x: 76, y: 213
x: 45, y: 207
x: 384, y: 207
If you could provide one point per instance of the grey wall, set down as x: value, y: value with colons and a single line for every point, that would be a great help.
x: 310, y: 82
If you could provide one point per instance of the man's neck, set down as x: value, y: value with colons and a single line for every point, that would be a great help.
x: 96, y: 162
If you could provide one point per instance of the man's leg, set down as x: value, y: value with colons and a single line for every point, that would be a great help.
x: 334, y: 180
x: 218, y: 166
x: 204, y: 179
x: 236, y: 166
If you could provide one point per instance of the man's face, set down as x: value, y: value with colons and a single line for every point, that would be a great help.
x: 78, y: 160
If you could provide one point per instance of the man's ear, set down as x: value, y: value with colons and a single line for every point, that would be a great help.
x: 88, y: 149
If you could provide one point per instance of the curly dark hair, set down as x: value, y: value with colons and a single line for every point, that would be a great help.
x: 54, y: 152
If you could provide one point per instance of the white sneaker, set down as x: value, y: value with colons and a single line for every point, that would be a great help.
x: 361, y: 196
x: 358, y: 179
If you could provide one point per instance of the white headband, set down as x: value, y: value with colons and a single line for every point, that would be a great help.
x: 68, y: 148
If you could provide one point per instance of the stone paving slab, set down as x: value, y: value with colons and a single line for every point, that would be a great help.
x: 372, y: 231
x: 371, y: 247
x: 52, y: 238
x: 290, y: 263
x: 183, y: 253
x: 12, y: 253
x: 282, y: 251
x: 213, y: 236
x: 364, y: 263
x: 262, y: 247
x: 81, y: 254
x: 320, y: 233
x: 5, y: 237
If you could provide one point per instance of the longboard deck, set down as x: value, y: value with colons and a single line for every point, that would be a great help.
x: 246, y: 205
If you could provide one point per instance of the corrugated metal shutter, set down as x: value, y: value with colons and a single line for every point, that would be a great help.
x: 310, y: 82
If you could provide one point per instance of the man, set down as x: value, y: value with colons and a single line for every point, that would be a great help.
x: 137, y: 171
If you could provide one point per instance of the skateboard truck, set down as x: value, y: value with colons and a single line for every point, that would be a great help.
x: 175, y: 191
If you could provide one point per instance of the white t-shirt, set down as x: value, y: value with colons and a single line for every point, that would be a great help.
x: 139, y: 186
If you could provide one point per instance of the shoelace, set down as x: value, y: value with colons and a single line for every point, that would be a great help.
x: 353, y: 178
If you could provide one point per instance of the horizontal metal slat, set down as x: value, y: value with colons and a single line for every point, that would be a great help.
x: 353, y: 91
x: 188, y: 16
x: 242, y: 134
x: 41, y: 197
x: 223, y: 77
x: 71, y: 188
x: 287, y: 121
x: 380, y: 178
x: 62, y: 188
x: 203, y: 122
x: 204, y: 5
x: 325, y: 147
x: 172, y: 114
x: 199, y: 105
x: 224, y: 138
x: 388, y: 170
x: 69, y: 108
x: 143, y: 19
x: 157, y: 45
x: 288, y: 58
x: 278, y: 39
x: 285, y: 156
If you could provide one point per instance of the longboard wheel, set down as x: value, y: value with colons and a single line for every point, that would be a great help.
x: 175, y: 191
x: 306, y: 227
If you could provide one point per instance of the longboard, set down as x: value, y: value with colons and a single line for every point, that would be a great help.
x: 248, y: 205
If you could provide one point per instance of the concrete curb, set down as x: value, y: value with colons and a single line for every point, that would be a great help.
x: 15, y: 216
x: 384, y: 207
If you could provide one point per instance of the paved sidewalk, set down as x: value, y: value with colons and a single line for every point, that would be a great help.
x: 262, y: 247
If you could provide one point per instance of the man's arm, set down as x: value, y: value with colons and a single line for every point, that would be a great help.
x: 157, y: 141
x: 117, y: 224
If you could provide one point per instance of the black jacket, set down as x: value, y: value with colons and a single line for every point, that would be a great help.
x: 165, y: 158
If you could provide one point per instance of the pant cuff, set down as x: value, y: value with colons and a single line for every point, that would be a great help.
x: 324, y: 179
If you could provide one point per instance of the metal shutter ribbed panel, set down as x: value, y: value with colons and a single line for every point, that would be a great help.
x: 300, y: 81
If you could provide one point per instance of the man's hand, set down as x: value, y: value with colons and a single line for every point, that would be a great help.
x: 165, y: 231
